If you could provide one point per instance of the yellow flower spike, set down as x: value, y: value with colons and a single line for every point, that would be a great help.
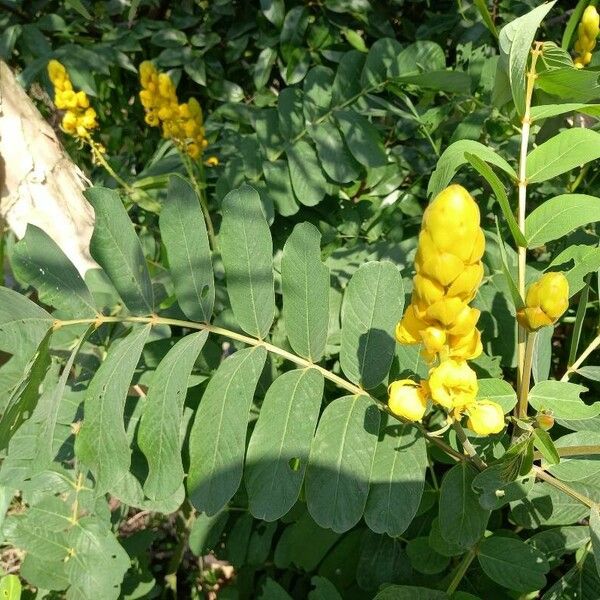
x: 485, y: 417
x: 407, y: 399
x: 546, y: 301
x: 588, y: 31
x: 453, y: 384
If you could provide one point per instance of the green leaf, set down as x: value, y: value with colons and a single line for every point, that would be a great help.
x: 397, y: 480
x: 305, y: 283
x: 562, y: 398
x: 558, y: 541
x: 462, y: 519
x: 184, y: 235
x: 160, y: 424
x: 513, y: 564
x: 508, y: 276
x: 558, y: 216
x: 291, y: 114
x: 78, y: 6
x: 274, y: 11
x: 324, y: 590
x: 581, y: 581
x: 423, y: 558
x: 307, y: 179
x: 346, y: 83
x: 542, y: 354
x: 317, y: 92
x: 206, y: 531
x: 515, y: 41
x: 543, y: 442
x: 10, y: 588
x: 102, y: 443
x: 262, y: 68
x: 382, y: 559
x: 453, y: 82
x: 278, y: 452
x: 333, y: 153
x: 409, y: 592
x: 566, y: 150
x: 99, y: 562
x: 574, y: 468
x: 362, y: 138
x: 37, y: 260
x: 546, y: 505
x: 271, y: 590
x: 498, y: 188
x: 545, y: 111
x: 495, y: 491
x: 373, y: 304
x: 23, y: 324
x: 45, y: 451
x: 380, y: 62
x: 595, y: 533
x: 485, y: 15
x: 247, y: 251
x: 337, y: 479
x: 24, y: 397
x: 585, y: 259
x: 498, y: 391
x: 572, y: 85
x: 279, y: 187
x: 455, y: 156
x: 218, y: 435
x: 116, y: 248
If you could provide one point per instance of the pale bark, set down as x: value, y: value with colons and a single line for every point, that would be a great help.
x: 39, y: 184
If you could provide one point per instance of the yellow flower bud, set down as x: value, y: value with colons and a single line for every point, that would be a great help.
x: 407, y: 399
x: 453, y: 384
x: 151, y: 119
x: 546, y: 300
x: 407, y: 330
x: 465, y: 347
x: 69, y: 122
x: 211, y: 161
x: 195, y: 109
x: 82, y: 99
x: 485, y: 417
x: 147, y: 72
x: 433, y: 338
x: 193, y: 150
x: 56, y: 72
x: 452, y: 220
x: 428, y: 290
x: 466, y: 284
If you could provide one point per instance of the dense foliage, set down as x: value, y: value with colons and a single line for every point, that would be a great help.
x: 207, y: 412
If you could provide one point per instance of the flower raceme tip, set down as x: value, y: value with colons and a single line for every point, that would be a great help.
x: 546, y: 301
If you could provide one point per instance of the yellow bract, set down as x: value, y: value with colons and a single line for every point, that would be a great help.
x: 588, y: 31
x: 485, y: 417
x: 183, y: 123
x: 449, y: 271
x: 407, y: 399
x: 79, y: 118
x: 546, y: 300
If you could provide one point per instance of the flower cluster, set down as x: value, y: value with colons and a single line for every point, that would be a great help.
x: 79, y: 117
x: 588, y: 32
x: 183, y: 123
x: 545, y: 302
x: 448, y: 273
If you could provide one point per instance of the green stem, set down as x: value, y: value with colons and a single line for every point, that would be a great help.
x: 250, y: 341
x: 572, y: 451
x: 468, y: 447
x: 99, y: 156
x: 563, y: 487
x: 579, y: 317
x: 339, y: 381
x: 526, y: 376
x: 461, y: 570
x: 200, y: 189
x: 592, y: 346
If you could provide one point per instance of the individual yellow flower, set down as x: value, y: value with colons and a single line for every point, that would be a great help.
x: 407, y: 399
x: 211, y: 161
x: 545, y: 302
x: 588, y: 31
x: 453, y: 384
x: 485, y: 417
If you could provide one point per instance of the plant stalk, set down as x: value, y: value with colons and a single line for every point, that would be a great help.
x: 461, y: 570
x: 526, y: 376
x: 592, y: 346
x: 468, y: 447
x: 522, y: 190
